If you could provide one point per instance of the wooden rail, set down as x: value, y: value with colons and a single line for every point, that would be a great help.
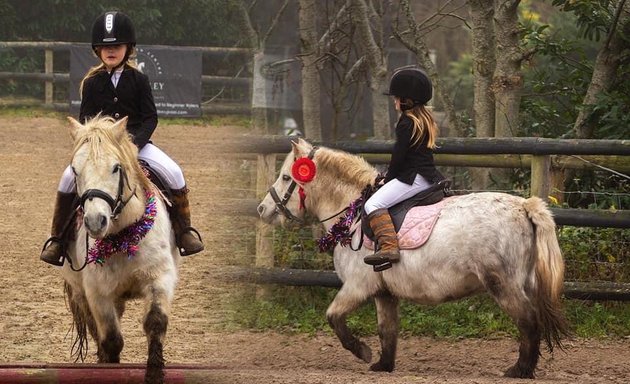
x: 487, y: 152
x: 49, y: 77
x: 104, y: 373
x: 599, y: 290
x: 540, y: 154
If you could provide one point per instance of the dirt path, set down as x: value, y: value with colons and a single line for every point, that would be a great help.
x: 34, y: 320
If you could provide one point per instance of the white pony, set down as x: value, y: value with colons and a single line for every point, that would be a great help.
x: 493, y: 242
x: 124, y: 247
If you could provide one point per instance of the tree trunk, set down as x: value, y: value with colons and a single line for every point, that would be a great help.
x: 484, y: 63
x: 508, y: 80
x: 310, y: 73
x: 604, y: 73
x: 377, y: 68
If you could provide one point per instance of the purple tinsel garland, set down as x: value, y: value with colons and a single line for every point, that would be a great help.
x: 340, y: 231
x: 126, y: 240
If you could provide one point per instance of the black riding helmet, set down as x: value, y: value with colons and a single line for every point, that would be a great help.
x: 411, y: 83
x: 113, y: 28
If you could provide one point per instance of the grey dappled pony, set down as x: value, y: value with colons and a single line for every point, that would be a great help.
x: 483, y: 242
x: 117, y: 198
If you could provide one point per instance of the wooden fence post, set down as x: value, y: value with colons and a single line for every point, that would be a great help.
x: 265, y: 176
x: 541, y: 176
x: 48, y: 69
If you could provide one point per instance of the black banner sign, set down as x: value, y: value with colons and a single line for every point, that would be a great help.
x: 174, y: 75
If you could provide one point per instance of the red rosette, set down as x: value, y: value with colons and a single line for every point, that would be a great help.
x: 303, y: 170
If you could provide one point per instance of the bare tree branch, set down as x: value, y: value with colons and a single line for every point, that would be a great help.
x: 325, y: 40
x: 414, y: 41
x: 275, y: 21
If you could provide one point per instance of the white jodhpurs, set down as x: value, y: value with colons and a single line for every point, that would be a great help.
x: 159, y: 161
x: 393, y: 192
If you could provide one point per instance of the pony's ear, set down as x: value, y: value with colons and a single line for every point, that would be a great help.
x: 120, y: 128
x: 75, y: 127
x: 301, y: 147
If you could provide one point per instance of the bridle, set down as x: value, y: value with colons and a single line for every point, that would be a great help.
x: 117, y: 204
x: 281, y: 204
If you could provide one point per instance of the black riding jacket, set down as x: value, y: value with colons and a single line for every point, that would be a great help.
x: 407, y: 161
x: 132, y: 97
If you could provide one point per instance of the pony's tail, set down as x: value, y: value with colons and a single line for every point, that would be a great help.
x: 549, y: 270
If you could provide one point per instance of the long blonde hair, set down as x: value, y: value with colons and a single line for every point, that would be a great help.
x: 423, y: 123
x: 131, y: 62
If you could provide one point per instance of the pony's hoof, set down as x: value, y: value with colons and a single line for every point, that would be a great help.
x: 382, y: 367
x: 516, y: 373
x: 364, y: 353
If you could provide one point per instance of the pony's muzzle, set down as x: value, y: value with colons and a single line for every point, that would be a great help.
x: 96, y: 224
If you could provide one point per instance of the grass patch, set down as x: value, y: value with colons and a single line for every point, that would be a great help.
x: 303, y: 310
x: 30, y: 112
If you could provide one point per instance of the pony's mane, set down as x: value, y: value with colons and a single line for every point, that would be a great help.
x: 347, y: 168
x: 98, y: 135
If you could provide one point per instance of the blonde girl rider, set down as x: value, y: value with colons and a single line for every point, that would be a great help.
x: 411, y: 168
x: 117, y: 89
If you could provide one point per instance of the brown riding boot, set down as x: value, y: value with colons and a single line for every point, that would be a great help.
x: 54, y: 250
x: 186, y: 237
x: 386, y: 239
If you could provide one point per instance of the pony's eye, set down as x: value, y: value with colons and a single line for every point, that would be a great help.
x: 286, y: 178
x: 116, y: 168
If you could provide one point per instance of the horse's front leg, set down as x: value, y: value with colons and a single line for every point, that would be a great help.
x: 345, y: 302
x: 387, y: 314
x: 110, y: 340
x: 155, y: 325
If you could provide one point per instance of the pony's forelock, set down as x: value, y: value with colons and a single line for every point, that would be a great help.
x: 97, y: 133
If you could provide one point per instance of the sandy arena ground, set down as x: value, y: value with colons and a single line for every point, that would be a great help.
x: 34, y: 320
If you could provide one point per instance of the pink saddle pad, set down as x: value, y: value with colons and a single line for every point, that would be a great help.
x: 417, y: 226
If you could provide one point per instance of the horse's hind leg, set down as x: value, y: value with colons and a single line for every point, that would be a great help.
x: 529, y: 348
x: 346, y: 301
x: 521, y: 310
x: 387, y: 313
x: 155, y: 325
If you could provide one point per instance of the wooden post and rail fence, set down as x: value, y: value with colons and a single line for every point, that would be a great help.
x: 542, y: 156
x: 50, y: 77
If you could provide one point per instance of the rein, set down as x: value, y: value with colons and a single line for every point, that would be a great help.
x: 340, y: 232
x: 126, y: 240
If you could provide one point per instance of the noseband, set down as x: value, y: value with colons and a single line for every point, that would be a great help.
x: 116, y: 205
x: 281, y: 204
